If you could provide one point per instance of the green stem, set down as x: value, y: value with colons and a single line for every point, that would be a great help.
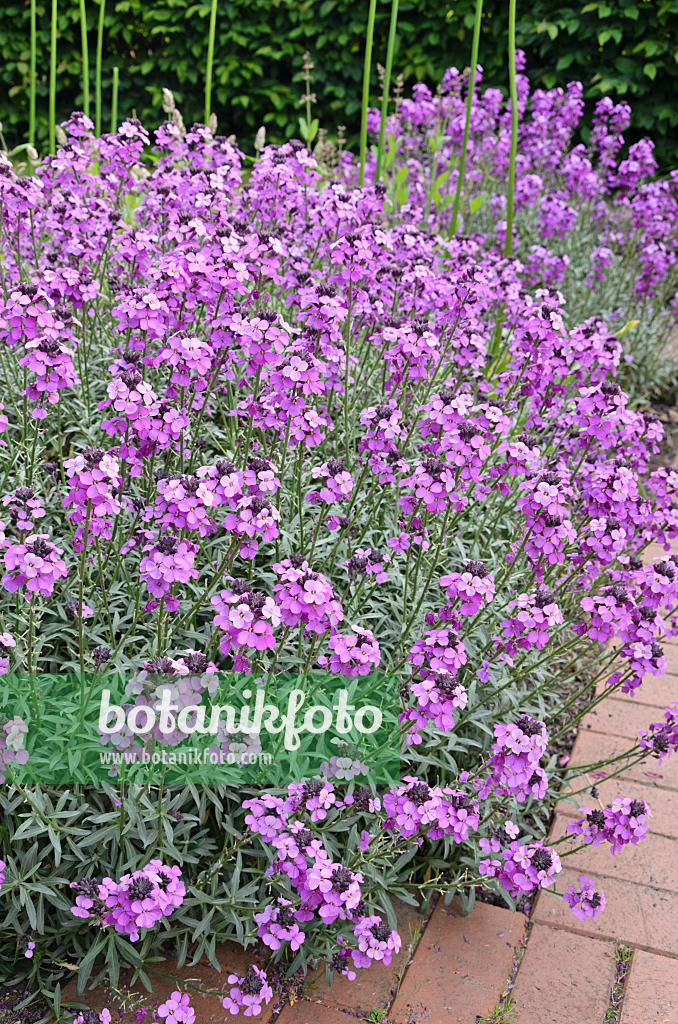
x: 52, y: 79
x: 31, y: 86
x: 114, y: 100
x: 366, y: 88
x: 210, y: 61
x: 85, y: 58
x: 97, y: 84
x: 514, y: 127
x: 387, y: 84
x: 469, y: 105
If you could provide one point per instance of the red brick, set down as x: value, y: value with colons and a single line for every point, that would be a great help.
x: 652, y: 861
x: 376, y: 986
x: 671, y: 657
x: 663, y: 802
x: 196, y: 980
x: 620, y: 717
x: 592, y: 747
x: 657, y: 553
x: 305, y: 1012
x: 635, y: 915
x: 460, y: 967
x: 657, y: 691
x: 651, y: 990
x: 563, y: 978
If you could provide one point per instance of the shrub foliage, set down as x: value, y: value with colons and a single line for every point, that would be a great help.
x: 626, y: 49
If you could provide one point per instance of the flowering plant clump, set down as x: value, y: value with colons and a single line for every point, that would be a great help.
x: 274, y: 421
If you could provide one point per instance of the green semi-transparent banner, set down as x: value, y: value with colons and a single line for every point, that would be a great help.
x: 224, y: 728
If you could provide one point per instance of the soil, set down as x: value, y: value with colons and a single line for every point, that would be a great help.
x: 11, y: 997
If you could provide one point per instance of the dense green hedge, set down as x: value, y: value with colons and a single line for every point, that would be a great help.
x: 626, y: 48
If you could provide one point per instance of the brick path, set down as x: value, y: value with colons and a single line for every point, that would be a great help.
x: 453, y: 969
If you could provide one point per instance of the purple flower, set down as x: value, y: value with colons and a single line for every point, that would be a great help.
x: 585, y: 902
x: 248, y: 993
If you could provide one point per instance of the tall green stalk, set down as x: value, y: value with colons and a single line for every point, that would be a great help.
x: 387, y: 85
x: 97, y: 83
x: 114, y: 100
x: 514, y: 126
x: 469, y: 106
x: 31, y: 84
x: 52, y: 79
x: 366, y: 88
x: 210, y: 61
x: 85, y: 58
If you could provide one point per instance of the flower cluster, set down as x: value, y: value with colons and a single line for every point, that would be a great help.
x: 139, y: 900
x: 625, y: 821
x: 523, y: 868
x: 585, y: 901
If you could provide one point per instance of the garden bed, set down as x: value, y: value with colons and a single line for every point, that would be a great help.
x: 272, y: 433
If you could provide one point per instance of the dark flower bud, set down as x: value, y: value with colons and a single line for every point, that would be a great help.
x: 341, y: 879
x: 339, y: 961
x: 167, y: 546
x: 40, y: 548
x: 541, y: 859
x: 381, y: 931
x: 159, y: 666
x: 93, y: 456
x: 130, y: 378
x: 100, y: 655
x: 419, y: 794
x: 335, y: 467
x: 140, y: 888
x: 196, y: 663
x: 190, y: 484
x: 468, y: 430
x: 476, y: 568
x: 50, y: 346
x: 528, y: 726
x: 304, y: 838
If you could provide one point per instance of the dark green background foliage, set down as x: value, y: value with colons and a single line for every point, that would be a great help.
x: 624, y: 48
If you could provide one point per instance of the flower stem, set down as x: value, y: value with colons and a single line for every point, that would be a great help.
x: 366, y: 88
x: 469, y: 105
x: 52, y: 79
x: 31, y: 84
x: 210, y: 61
x: 97, y: 81
x: 514, y: 127
x: 114, y: 100
x: 387, y: 83
x: 85, y: 58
